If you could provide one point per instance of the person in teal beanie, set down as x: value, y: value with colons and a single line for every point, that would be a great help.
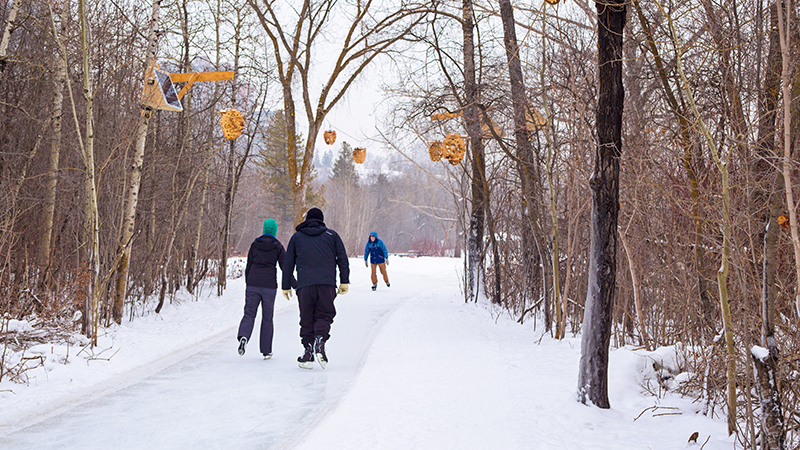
x: 262, y: 284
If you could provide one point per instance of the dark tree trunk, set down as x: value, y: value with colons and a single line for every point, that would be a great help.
x: 525, y: 162
x: 772, y: 427
x: 473, y: 125
x: 593, y: 372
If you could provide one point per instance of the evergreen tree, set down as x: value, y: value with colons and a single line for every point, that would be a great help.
x: 272, y: 161
x: 344, y: 169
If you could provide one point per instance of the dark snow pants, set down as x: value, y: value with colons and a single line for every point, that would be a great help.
x: 316, y: 311
x: 254, y: 296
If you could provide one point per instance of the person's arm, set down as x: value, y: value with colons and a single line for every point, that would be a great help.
x: 366, y: 251
x: 385, y: 252
x: 341, y: 260
x: 249, y: 263
x: 287, y: 268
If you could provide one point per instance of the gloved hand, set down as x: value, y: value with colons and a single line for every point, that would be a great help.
x: 342, y: 289
x: 387, y: 262
x: 366, y: 264
x: 287, y: 293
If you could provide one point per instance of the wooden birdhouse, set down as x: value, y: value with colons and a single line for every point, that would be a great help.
x: 232, y: 123
x: 435, y: 151
x: 329, y: 136
x: 359, y: 155
x: 453, y: 148
x: 159, y: 92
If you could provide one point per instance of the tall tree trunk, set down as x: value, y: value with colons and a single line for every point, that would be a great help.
x: 92, y: 221
x: 525, y: 157
x: 771, y: 418
x: 55, y: 147
x: 593, y: 372
x: 11, y: 24
x: 132, y: 200
x: 478, y: 181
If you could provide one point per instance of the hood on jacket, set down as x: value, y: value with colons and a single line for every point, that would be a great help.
x: 373, y: 234
x: 266, y: 242
x: 311, y: 227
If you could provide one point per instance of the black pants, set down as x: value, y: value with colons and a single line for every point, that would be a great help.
x: 316, y: 311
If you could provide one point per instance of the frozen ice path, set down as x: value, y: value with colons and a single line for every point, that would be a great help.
x: 216, y: 399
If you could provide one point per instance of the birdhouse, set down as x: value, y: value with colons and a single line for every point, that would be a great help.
x: 453, y: 148
x: 359, y: 155
x: 435, y: 151
x: 159, y: 92
x: 232, y: 123
x: 329, y: 136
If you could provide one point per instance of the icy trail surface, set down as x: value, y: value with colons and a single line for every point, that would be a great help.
x: 411, y: 367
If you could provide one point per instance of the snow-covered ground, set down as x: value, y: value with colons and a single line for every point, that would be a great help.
x: 411, y: 366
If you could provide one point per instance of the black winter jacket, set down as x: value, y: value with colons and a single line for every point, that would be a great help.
x: 315, y: 251
x: 260, y: 271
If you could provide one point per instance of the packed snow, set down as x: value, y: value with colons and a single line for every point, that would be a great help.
x: 410, y: 367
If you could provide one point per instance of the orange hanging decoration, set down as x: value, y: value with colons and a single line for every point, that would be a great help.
x: 453, y: 148
x: 435, y: 151
x: 329, y: 136
x: 783, y: 221
x: 232, y: 123
x: 359, y: 155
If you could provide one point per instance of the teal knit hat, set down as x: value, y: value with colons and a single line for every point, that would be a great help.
x: 270, y: 227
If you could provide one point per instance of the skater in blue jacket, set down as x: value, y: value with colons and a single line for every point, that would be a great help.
x: 378, y: 256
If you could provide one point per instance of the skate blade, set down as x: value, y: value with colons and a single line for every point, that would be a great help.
x: 318, y: 357
x: 306, y: 365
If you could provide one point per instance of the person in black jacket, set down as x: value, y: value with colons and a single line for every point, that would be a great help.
x: 315, y: 251
x: 262, y: 285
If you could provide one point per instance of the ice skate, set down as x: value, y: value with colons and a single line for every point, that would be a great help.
x: 242, y: 345
x: 319, y: 351
x: 307, y: 360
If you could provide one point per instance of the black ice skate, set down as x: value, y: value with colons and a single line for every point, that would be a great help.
x: 268, y: 356
x: 388, y: 285
x: 307, y: 360
x: 319, y: 351
x: 374, y: 286
x: 242, y: 345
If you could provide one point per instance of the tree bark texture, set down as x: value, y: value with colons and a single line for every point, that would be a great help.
x: 472, y: 121
x: 135, y: 184
x: 773, y: 431
x: 55, y: 147
x: 596, y: 333
x: 11, y: 23
x: 525, y: 157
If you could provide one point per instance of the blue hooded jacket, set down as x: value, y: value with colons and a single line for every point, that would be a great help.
x: 376, y: 251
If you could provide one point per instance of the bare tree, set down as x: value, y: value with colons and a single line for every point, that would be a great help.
x: 593, y: 372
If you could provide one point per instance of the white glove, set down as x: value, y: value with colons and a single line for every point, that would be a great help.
x: 287, y: 293
x: 342, y: 289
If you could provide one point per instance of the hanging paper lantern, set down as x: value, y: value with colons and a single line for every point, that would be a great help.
x: 232, y: 123
x: 359, y: 155
x: 329, y: 136
x: 453, y: 148
x: 435, y: 150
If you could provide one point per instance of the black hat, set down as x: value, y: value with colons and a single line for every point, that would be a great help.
x: 315, y: 213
